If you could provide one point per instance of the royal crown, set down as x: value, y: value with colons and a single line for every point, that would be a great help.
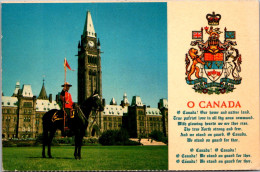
x: 213, y: 19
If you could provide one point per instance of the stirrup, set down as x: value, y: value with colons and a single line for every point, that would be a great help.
x: 72, y: 112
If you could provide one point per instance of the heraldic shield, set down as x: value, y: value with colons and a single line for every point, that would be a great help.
x: 213, y: 66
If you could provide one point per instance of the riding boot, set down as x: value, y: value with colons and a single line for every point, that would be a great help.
x: 67, y: 116
x: 70, y: 126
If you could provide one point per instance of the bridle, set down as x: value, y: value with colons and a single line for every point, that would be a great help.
x: 95, y: 117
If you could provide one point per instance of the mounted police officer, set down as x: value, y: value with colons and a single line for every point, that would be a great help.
x: 66, y: 98
x: 68, y: 104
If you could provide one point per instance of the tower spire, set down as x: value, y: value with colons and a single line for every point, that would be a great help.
x: 89, y: 27
x: 17, y: 87
x: 43, y: 94
x: 43, y: 76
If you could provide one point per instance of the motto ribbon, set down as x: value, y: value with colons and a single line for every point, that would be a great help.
x: 213, y: 84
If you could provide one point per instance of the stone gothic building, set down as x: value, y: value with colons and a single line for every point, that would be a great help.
x: 22, y: 115
x: 138, y: 119
x: 22, y: 112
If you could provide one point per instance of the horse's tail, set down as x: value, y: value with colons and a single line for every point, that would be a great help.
x: 47, y: 118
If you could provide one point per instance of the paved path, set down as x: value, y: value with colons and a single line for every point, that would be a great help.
x: 146, y: 142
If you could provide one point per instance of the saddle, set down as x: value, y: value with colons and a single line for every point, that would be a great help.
x: 60, y: 115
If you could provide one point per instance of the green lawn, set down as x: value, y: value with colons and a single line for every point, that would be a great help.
x: 93, y: 158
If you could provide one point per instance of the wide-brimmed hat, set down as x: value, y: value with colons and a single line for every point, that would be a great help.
x: 66, y: 84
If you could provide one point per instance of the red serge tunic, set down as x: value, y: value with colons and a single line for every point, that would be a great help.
x: 68, y: 99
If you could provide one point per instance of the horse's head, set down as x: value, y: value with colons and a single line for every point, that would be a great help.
x: 93, y: 103
x: 96, y: 102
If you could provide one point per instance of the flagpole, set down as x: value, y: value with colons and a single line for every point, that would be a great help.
x: 64, y: 117
x: 65, y: 75
x: 65, y: 69
x: 66, y: 65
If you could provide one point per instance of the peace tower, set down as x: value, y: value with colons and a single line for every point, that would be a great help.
x: 89, y: 70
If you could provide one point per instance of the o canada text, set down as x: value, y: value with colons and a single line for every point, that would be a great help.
x: 214, y: 104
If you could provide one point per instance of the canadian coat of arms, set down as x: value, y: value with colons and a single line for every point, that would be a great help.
x: 214, y: 66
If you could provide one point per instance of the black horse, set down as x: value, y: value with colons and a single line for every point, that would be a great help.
x: 52, y: 120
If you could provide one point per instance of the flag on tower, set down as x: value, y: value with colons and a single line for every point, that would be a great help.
x: 66, y: 65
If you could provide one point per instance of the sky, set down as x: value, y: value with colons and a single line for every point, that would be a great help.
x: 37, y: 37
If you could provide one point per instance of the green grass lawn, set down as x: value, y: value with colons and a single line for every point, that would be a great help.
x: 93, y: 158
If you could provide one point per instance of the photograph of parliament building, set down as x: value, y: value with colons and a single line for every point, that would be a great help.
x: 22, y: 112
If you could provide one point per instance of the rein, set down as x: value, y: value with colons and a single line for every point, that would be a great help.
x: 94, y: 119
x: 82, y: 114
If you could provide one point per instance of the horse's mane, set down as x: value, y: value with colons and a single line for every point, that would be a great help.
x: 86, y: 103
x: 86, y: 106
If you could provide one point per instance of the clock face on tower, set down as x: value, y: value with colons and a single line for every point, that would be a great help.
x: 91, y: 43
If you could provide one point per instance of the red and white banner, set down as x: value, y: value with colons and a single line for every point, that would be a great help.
x: 66, y: 65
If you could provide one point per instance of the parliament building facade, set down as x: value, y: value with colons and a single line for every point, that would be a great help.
x: 22, y: 112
